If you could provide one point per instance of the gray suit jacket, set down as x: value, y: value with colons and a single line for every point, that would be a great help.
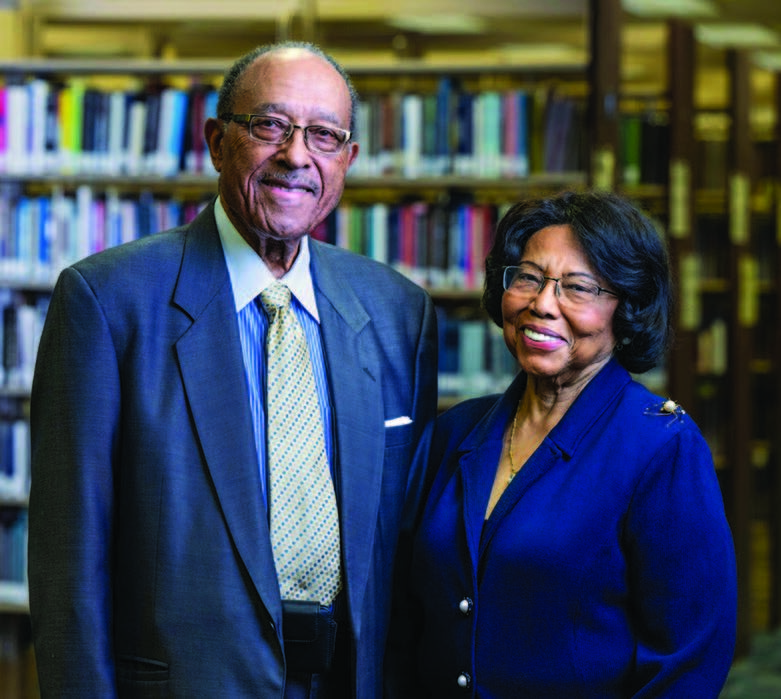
x: 150, y: 565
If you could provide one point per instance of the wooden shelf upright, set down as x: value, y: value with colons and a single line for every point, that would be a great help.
x: 605, y: 23
x: 743, y: 318
x: 775, y: 463
x: 681, y: 220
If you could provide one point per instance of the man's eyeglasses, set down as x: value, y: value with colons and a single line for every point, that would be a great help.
x: 275, y: 131
x: 575, y: 289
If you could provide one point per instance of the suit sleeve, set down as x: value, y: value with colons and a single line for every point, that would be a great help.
x: 682, y: 571
x: 74, y: 420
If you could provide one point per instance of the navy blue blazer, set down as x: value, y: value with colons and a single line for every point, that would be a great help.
x: 605, y: 570
x: 150, y: 566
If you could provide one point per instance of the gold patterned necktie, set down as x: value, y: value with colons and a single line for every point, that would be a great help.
x: 304, y: 518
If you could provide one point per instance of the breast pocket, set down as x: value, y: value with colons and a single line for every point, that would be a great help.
x: 398, y: 435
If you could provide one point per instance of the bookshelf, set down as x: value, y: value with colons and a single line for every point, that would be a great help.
x: 721, y: 219
x: 61, y: 176
x: 68, y: 182
x: 55, y: 186
x: 444, y: 148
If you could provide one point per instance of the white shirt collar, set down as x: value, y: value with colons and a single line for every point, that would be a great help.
x: 249, y: 275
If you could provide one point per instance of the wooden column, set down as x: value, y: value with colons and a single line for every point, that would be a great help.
x: 605, y: 23
x: 743, y: 317
x: 681, y: 225
x: 775, y: 463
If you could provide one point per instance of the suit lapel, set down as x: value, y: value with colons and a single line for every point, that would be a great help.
x: 354, y: 377
x: 212, y: 369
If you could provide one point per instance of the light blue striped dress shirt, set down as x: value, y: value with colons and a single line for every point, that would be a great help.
x: 249, y: 276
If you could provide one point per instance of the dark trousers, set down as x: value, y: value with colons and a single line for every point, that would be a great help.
x: 335, y: 684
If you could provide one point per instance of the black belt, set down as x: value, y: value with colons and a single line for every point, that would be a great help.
x: 309, y: 631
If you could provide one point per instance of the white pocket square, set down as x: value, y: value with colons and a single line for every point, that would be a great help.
x: 398, y: 421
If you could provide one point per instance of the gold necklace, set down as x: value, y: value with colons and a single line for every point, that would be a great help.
x: 513, y: 470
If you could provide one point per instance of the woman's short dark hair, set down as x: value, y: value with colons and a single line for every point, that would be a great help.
x: 227, y: 94
x: 625, y: 249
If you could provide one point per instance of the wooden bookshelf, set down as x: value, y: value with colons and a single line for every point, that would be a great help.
x: 397, y: 180
x: 743, y: 318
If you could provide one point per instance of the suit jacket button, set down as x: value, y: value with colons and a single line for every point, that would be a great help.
x: 464, y: 680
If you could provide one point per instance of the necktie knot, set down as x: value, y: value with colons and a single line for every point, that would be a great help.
x: 275, y: 297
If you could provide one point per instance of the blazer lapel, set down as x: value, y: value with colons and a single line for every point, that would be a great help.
x: 480, y: 453
x: 354, y: 377
x: 211, y: 348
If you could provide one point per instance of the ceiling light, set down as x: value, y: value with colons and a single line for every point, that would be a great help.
x: 670, y: 8
x: 440, y: 24
x: 735, y: 35
x: 542, y: 54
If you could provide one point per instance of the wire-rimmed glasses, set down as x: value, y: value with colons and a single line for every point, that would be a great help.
x: 576, y: 289
x: 274, y: 131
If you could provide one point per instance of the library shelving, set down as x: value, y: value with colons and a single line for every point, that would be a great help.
x: 97, y: 152
x: 443, y: 148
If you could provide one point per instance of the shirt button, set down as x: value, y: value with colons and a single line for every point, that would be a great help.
x: 465, y: 605
x: 464, y: 680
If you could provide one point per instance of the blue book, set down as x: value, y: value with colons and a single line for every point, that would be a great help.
x: 523, y: 112
x: 443, y: 126
x: 463, y: 161
x: 173, y: 121
x: 44, y: 234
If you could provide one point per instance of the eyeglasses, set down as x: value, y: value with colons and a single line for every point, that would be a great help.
x: 275, y: 131
x: 575, y: 289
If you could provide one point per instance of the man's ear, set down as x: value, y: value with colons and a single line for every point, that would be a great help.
x: 214, y: 132
x: 352, y: 152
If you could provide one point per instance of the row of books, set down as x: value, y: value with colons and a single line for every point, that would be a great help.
x: 473, y: 357
x: 75, y: 127
x: 72, y: 127
x: 40, y: 235
x: 452, y: 130
x: 14, y: 460
x: 13, y: 544
x: 439, y: 246
x: 20, y: 333
x: 644, y: 148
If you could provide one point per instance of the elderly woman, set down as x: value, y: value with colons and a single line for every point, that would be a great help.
x: 573, y: 541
